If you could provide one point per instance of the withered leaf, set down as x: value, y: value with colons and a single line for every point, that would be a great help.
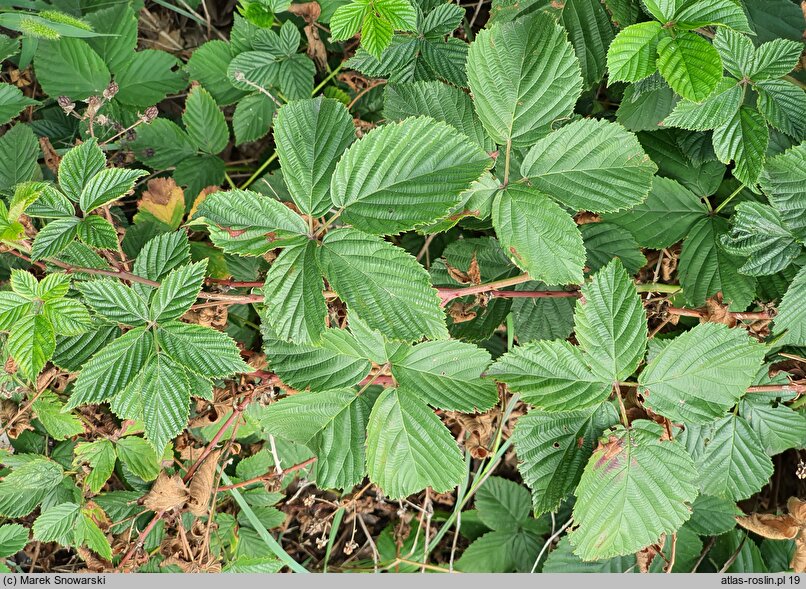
x: 201, y: 486
x: 167, y: 493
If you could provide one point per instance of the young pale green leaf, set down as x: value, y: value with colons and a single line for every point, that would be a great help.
x: 310, y: 137
x: 665, y: 217
x: 503, y: 505
x: 438, y: 101
x: 67, y: 316
x: 791, y: 318
x: 551, y: 375
x: 202, y: 350
x: 107, y: 186
x: 205, y: 122
x: 59, y: 424
x: 246, y: 223
x: 778, y: 427
x: 57, y: 524
x: 13, y: 538
x: 24, y: 284
x: 163, y: 385
x: 530, y: 226
x: 101, y: 457
x: 139, y: 457
x: 321, y: 367
x: 633, y: 54
x: 590, y: 165
x: 97, y: 232
x: 775, y: 59
x: 115, y: 301
x: 409, y: 448
x: 553, y: 448
x: 610, y: 324
x: 384, y: 285
x: 663, y: 10
x: 333, y: 425
x: 111, y: 369
x: 690, y: 65
x: 733, y: 464
x: 295, y: 305
x: 178, y: 292
x: 70, y: 67
x: 783, y: 105
x: 24, y: 487
x: 31, y: 343
x: 523, y: 76
x: 446, y: 375
x: 701, y: 374
x: 715, y: 111
x: 54, y: 238
x: 705, y: 13
x: 405, y: 174
x: 706, y: 268
x: 743, y: 140
x: 634, y: 489
x: 52, y: 286
x: 758, y: 233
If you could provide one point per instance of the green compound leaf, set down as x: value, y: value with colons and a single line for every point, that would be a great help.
x: 551, y: 375
x: 783, y: 105
x: 177, y: 292
x: 446, y: 375
x: 784, y: 182
x: 295, y: 305
x: 200, y: 349
x: 13, y: 538
x: 706, y: 268
x: 733, y: 463
x: 553, y: 448
x: 115, y: 301
x: 529, y: 224
x: 610, y: 324
x: 523, y: 76
x: 405, y: 174
x: 701, y: 374
x: 31, y: 343
x: 743, y: 140
x: 634, y: 489
x: 690, y: 65
x: 205, y: 122
x: 758, y: 233
x: 409, y: 448
x: 591, y: 165
x: 246, y: 223
x: 310, y: 137
x: 790, y: 322
x: 333, y: 425
x: 715, y: 111
x: 665, y: 217
x: 24, y: 487
x: 384, y: 285
x: 107, y: 186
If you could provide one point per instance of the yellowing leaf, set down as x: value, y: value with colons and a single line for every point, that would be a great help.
x: 164, y: 201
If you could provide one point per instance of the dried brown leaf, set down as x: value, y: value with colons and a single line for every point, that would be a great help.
x: 201, y: 486
x: 167, y: 493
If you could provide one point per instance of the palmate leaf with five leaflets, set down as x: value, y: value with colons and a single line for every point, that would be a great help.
x: 635, y: 488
